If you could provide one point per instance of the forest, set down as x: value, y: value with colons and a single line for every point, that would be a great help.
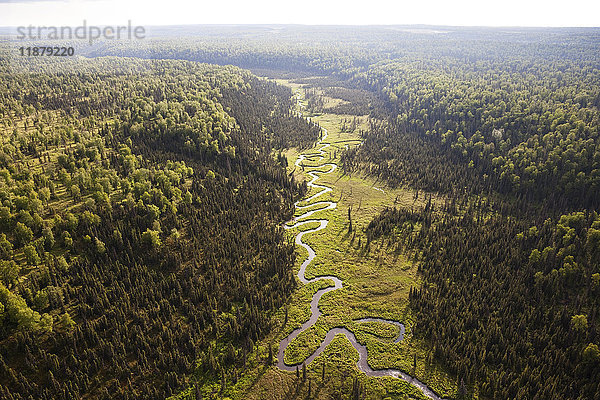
x: 143, y: 195
x: 140, y: 225
x: 519, y: 108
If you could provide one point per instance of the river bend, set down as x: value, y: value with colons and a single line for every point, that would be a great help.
x: 303, y: 219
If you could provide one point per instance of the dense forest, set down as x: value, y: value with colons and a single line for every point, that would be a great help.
x: 141, y: 205
x: 511, y: 307
x: 524, y: 135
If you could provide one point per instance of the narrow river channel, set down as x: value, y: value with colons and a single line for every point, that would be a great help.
x: 362, y: 364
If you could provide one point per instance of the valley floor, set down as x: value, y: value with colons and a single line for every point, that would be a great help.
x: 376, y: 284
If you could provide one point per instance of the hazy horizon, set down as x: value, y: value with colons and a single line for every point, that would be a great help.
x: 463, y: 13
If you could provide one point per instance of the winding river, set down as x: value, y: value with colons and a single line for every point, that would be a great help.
x: 362, y: 364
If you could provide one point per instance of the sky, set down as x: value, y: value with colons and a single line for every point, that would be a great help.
x: 317, y: 12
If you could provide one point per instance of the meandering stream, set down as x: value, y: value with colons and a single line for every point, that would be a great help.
x: 304, y: 219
